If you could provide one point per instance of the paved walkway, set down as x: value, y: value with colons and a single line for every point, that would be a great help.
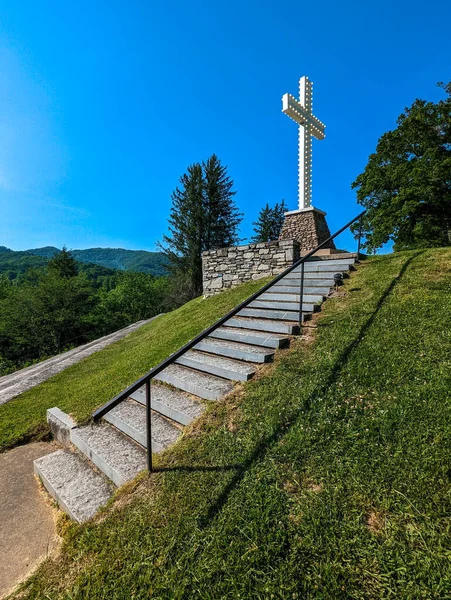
x: 27, y: 529
x: 23, y: 380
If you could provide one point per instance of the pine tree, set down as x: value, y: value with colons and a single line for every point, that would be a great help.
x: 279, y: 218
x: 203, y: 216
x: 185, y: 243
x: 221, y: 214
x: 263, y: 225
x: 269, y: 222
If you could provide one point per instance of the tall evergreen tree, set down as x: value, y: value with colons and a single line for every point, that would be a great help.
x: 222, y: 217
x: 184, y: 245
x: 269, y: 222
x: 203, y: 216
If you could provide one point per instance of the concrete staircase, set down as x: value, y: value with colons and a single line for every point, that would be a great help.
x: 95, y: 459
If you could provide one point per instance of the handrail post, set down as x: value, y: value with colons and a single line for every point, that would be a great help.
x: 148, y: 427
x: 301, y: 295
x: 360, y: 237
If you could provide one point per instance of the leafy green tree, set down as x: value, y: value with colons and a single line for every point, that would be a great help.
x: 137, y: 296
x: 203, y: 216
x: 406, y: 185
x: 39, y: 319
x: 269, y: 222
x: 63, y: 264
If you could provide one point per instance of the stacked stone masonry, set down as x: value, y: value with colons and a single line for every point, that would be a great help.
x: 227, y: 267
x: 308, y: 227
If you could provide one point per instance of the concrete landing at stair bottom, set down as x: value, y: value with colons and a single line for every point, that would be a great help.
x: 113, y: 453
x: 77, y: 489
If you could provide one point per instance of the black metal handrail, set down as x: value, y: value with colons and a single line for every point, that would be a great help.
x: 146, y: 379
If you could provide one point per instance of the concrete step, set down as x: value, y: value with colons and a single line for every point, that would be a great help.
x: 283, y: 288
x: 75, y: 486
x: 194, y: 382
x: 307, y: 300
x: 277, y: 315
x: 217, y: 365
x: 343, y: 260
x: 174, y: 404
x: 257, y: 338
x: 312, y: 278
x: 235, y: 350
x: 113, y: 453
x: 283, y: 306
x: 263, y: 325
x: 130, y: 418
x: 324, y: 266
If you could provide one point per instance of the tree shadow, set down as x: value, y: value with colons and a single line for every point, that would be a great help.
x: 270, y: 441
x: 193, y: 468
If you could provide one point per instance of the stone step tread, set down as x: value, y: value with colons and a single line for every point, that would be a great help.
x: 323, y: 267
x: 130, y: 418
x: 171, y: 403
x: 113, y: 453
x: 195, y: 382
x: 307, y: 299
x: 285, y: 327
x: 283, y: 306
x: 336, y: 259
x: 313, y: 292
x: 248, y: 336
x: 335, y: 256
x: 262, y: 313
x: 235, y: 350
x: 217, y: 365
x: 312, y: 276
x: 72, y: 482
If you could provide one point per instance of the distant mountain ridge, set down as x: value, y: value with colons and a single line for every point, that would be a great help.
x: 111, y: 258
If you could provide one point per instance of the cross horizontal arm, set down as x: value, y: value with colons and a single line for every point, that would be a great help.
x: 295, y: 110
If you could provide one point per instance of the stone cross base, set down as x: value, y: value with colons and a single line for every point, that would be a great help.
x: 308, y: 227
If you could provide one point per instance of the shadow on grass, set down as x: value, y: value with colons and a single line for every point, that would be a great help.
x: 270, y: 441
x: 188, y: 468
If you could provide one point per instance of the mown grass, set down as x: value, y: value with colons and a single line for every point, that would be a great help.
x: 327, y: 477
x: 81, y: 388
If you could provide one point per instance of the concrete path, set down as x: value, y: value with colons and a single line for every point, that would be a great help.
x: 23, y: 380
x: 27, y: 530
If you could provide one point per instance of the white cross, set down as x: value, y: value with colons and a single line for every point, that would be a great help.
x: 301, y: 112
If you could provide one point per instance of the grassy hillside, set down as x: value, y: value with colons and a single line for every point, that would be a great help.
x: 328, y: 477
x: 16, y: 262
x: 84, y: 386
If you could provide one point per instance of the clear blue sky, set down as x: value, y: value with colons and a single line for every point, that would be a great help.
x: 104, y: 104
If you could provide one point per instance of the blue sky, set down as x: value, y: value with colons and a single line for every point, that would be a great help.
x: 104, y: 104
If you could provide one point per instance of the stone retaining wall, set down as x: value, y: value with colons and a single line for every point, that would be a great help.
x: 227, y: 267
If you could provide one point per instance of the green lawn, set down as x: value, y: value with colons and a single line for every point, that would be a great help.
x: 328, y: 477
x: 83, y: 387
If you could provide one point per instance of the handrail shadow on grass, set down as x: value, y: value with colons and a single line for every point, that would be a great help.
x: 268, y: 442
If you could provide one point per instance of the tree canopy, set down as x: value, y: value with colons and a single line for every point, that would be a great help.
x: 406, y: 185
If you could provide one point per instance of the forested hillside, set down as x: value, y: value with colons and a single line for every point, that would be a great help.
x: 50, y: 305
x: 16, y: 262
